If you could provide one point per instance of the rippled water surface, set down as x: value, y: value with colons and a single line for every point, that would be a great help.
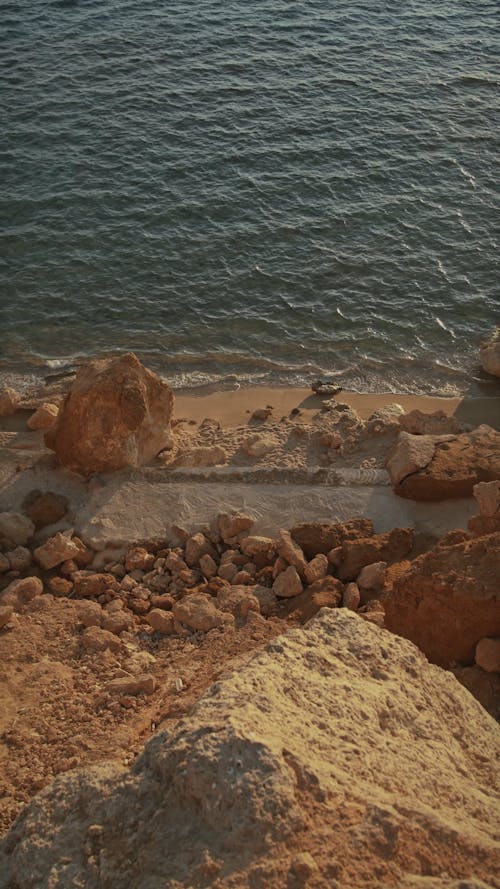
x: 256, y: 190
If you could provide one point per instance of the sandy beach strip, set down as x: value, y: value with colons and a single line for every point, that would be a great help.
x: 235, y: 407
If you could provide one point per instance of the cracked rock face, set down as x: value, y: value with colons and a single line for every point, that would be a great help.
x: 432, y: 468
x: 338, y: 756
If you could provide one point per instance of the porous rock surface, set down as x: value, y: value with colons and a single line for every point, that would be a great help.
x: 449, y: 599
x: 337, y: 757
x: 116, y: 414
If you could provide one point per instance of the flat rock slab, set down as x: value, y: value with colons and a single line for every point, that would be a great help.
x: 339, y: 752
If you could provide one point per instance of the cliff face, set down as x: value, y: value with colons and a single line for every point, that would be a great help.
x: 337, y: 757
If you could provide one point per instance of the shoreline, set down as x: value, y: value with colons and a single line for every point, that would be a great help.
x: 234, y: 408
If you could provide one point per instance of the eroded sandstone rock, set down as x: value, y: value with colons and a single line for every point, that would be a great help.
x: 116, y: 414
x: 338, y: 734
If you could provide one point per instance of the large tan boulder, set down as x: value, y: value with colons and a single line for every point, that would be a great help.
x: 490, y: 354
x: 449, y: 599
x: 116, y: 414
x: 456, y: 464
x: 337, y: 757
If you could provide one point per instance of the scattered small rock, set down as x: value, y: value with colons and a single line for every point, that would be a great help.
x: 44, y: 417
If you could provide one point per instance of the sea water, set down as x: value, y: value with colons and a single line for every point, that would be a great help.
x: 251, y: 191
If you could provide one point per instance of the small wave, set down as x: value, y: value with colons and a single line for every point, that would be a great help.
x: 443, y: 326
x: 465, y: 173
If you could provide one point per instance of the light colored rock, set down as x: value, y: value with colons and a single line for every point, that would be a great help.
x: 116, y: 414
x: 351, y: 596
x: 411, y: 452
x: 6, y: 612
x: 208, y: 566
x: 487, y: 495
x: 260, y: 445
x: 198, y: 613
x: 488, y: 655
x: 161, y: 621
x: 291, y: 552
x: 90, y: 614
x: 44, y: 417
x: 19, y: 558
x: 372, y: 577
x: 288, y: 583
x: 21, y: 591
x: 16, y: 527
x: 144, y: 684
x: 196, y: 547
x: 388, y: 413
x: 490, y: 354
x: 209, y: 455
x: 316, y: 568
x: 417, y: 422
x: 255, y: 545
x: 58, y: 549
x: 337, y: 733
x: 9, y: 401
x: 231, y: 525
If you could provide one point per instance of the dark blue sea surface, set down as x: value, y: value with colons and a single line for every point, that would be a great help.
x: 255, y: 191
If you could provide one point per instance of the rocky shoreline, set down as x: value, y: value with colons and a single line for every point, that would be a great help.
x: 120, y: 605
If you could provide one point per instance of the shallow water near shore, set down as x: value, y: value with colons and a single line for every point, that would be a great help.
x: 249, y: 195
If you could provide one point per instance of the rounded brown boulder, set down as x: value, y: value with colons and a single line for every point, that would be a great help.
x: 116, y: 414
